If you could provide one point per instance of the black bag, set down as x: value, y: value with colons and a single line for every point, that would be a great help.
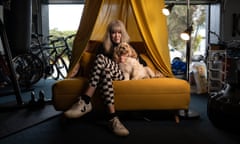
x: 223, y: 108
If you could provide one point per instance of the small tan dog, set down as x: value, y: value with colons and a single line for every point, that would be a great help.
x: 127, y: 58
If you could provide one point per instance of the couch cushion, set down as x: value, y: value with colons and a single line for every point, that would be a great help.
x: 150, y: 94
x: 66, y: 92
x: 86, y: 63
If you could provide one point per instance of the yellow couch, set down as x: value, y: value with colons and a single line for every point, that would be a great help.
x: 144, y: 94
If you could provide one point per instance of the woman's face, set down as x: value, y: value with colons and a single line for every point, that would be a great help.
x: 116, y: 35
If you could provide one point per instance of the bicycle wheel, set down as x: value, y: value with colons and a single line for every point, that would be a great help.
x: 54, y: 70
x: 29, y: 69
x: 60, y: 69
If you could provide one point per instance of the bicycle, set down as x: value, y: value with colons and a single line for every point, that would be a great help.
x: 60, y: 57
x: 43, y: 60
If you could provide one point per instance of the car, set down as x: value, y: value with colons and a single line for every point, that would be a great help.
x: 198, y: 56
x: 174, y: 54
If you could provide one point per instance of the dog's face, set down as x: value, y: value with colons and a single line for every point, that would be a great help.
x: 124, y: 50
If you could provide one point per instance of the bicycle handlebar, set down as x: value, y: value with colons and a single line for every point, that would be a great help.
x: 230, y: 43
x: 36, y: 35
x: 56, y: 39
x: 70, y: 36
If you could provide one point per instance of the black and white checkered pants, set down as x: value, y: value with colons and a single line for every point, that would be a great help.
x: 104, y: 71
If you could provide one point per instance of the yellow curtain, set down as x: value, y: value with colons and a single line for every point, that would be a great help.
x: 153, y: 28
x: 87, y: 23
x: 112, y: 10
x: 144, y: 22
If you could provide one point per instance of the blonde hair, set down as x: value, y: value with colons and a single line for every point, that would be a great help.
x: 107, y: 42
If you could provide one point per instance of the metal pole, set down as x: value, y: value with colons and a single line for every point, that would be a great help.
x: 9, y: 61
x: 188, y: 113
x: 188, y: 43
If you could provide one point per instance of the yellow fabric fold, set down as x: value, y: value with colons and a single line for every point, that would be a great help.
x: 153, y: 27
x: 144, y: 22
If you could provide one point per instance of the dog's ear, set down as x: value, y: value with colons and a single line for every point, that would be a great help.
x: 115, y: 54
x: 133, y: 52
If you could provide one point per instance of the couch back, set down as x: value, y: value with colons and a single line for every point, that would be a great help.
x: 89, y: 55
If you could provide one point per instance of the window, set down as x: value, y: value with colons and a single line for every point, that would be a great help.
x: 177, y: 23
x: 65, y: 17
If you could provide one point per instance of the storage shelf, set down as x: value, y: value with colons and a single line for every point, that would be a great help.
x: 216, y: 65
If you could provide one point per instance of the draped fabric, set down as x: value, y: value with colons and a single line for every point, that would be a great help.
x: 143, y: 20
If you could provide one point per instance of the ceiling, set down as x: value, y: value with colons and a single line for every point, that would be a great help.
x: 192, y: 1
x: 166, y: 1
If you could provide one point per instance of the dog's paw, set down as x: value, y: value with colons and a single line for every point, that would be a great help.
x: 158, y: 74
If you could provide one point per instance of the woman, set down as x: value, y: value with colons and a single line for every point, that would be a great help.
x: 104, y: 71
